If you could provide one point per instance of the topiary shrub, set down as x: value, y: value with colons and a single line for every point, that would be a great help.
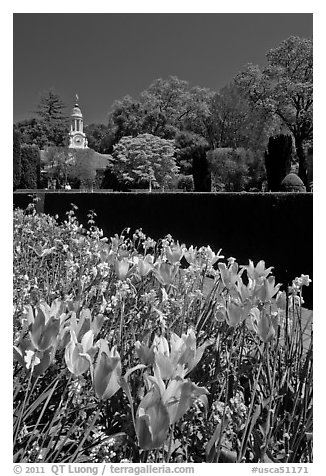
x: 278, y: 160
x: 292, y: 183
x: 200, y: 169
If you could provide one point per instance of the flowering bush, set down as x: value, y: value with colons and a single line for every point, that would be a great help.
x: 128, y: 349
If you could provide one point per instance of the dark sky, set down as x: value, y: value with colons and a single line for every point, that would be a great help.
x: 105, y: 56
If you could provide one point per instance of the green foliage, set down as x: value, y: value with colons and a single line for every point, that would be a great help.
x: 32, y: 132
x: 256, y: 171
x: 86, y: 163
x: 116, y: 347
x: 125, y: 118
x: 100, y: 138
x: 50, y: 128
x: 53, y: 119
x: 234, y: 170
x: 145, y: 159
x: 57, y: 165
x: 189, y: 145
x: 167, y: 107
x: 16, y: 159
x: 78, y: 167
x: 171, y: 105
x: 278, y: 160
x: 186, y: 183
x: 284, y: 89
x: 236, y: 124
x: 30, y: 166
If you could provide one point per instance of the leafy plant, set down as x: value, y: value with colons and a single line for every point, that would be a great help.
x: 124, y: 352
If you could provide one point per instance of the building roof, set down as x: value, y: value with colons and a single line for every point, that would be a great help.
x: 76, y: 112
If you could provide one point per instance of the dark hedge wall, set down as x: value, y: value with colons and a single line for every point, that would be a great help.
x: 276, y: 227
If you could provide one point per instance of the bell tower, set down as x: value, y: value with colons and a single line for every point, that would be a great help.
x: 77, y: 138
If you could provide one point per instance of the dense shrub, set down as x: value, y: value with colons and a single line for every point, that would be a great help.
x: 78, y: 167
x: 236, y: 170
x: 16, y: 159
x: 186, y: 183
x: 30, y: 166
x: 229, y: 169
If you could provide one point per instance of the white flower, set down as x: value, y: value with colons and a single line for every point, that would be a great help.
x: 31, y: 359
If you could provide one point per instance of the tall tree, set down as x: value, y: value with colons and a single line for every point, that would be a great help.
x: 278, y: 160
x: 145, y: 159
x: 200, y: 167
x: 284, y: 89
x: 165, y: 108
x: 50, y: 128
x: 235, y: 123
x: 125, y: 118
x: 187, y: 143
x: 53, y: 119
x: 100, y: 138
x: 171, y: 105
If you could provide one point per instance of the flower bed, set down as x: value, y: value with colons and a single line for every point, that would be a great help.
x: 120, y: 354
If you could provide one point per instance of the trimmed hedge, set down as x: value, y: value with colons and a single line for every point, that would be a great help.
x: 275, y: 227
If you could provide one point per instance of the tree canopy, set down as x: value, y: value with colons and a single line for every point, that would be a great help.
x: 167, y: 107
x: 256, y: 105
x: 284, y: 89
x: 145, y: 159
x: 50, y: 127
x: 76, y: 167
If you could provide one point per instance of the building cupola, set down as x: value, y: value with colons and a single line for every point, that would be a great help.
x: 77, y: 138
